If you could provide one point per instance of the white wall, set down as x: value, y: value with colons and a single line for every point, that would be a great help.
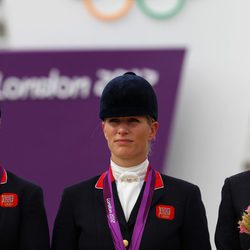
x: 211, y: 126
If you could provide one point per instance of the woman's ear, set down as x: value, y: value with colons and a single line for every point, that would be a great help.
x: 154, y: 128
x: 103, y: 129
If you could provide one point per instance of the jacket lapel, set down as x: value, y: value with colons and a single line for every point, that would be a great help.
x: 159, y: 189
x: 99, y: 190
x: 158, y: 192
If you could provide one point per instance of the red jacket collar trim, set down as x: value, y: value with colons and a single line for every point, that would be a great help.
x: 4, y: 177
x: 158, y: 181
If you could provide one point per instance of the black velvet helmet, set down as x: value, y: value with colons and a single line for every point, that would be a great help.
x: 128, y: 95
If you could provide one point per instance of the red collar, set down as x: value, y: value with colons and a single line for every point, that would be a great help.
x: 4, y: 177
x: 158, y: 182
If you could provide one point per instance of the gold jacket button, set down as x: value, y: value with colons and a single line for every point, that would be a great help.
x: 125, y: 242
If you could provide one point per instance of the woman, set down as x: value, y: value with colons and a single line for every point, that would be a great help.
x: 130, y: 206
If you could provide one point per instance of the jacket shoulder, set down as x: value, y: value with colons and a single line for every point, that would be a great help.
x: 83, y: 186
x: 238, y: 181
x: 178, y: 185
x: 240, y: 176
x: 19, y: 182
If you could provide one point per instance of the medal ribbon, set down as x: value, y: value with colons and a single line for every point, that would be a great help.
x: 141, y: 216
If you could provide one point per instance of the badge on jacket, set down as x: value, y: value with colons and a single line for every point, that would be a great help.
x: 165, y: 212
x: 8, y: 200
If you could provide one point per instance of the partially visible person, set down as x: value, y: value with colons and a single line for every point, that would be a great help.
x: 130, y: 206
x: 235, y: 200
x: 23, y: 221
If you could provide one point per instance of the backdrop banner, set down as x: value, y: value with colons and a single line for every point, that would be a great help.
x: 50, y: 132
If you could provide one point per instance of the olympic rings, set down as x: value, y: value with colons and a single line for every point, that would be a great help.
x: 109, y: 17
x: 161, y: 15
x: 128, y: 5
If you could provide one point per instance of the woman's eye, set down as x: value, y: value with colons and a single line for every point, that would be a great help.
x: 114, y: 121
x: 134, y: 120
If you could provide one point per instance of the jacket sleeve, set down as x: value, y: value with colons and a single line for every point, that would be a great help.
x: 195, y: 235
x: 65, y: 231
x: 227, y: 232
x: 34, y: 231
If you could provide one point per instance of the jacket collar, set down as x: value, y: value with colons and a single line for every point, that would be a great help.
x: 158, y: 182
x: 4, y: 177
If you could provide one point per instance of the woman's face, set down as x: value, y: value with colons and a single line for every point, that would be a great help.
x: 129, y: 138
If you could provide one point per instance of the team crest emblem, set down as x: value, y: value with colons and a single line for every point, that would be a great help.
x: 165, y: 212
x: 8, y: 200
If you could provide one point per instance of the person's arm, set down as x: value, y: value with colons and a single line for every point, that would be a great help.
x: 227, y: 232
x: 195, y: 235
x: 34, y: 231
x: 65, y: 233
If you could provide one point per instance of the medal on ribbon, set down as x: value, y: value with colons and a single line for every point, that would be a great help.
x: 142, y: 215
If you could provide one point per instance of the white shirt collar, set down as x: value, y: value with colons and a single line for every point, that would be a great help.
x: 139, y: 170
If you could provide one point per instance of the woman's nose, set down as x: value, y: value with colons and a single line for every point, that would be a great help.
x: 123, y: 130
